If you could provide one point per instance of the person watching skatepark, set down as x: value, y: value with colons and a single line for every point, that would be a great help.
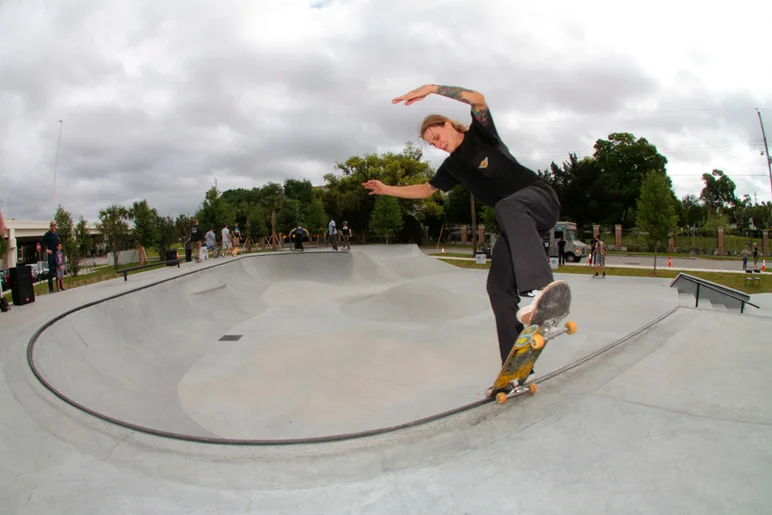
x: 345, y: 232
x: 48, y: 244
x: 526, y: 207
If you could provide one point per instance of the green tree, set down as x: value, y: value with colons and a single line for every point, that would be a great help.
x: 182, y: 227
x: 760, y: 215
x: 257, y: 223
x: 290, y: 216
x: 715, y: 220
x: 300, y: 190
x: 5, y: 247
x: 458, y: 206
x: 488, y: 218
x: 692, y: 213
x: 83, y: 238
x: 656, y: 215
x: 386, y: 218
x: 145, y: 230
x: 584, y: 197
x: 242, y: 201
x: 70, y: 247
x: 215, y: 210
x: 165, y: 235
x: 114, y: 225
x: 272, y: 198
x: 345, y: 198
x: 314, y: 216
x: 623, y: 162
x: 718, y: 193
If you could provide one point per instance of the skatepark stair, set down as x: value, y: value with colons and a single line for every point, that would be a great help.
x: 716, y: 294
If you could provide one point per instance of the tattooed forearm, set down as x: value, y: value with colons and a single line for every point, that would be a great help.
x: 455, y: 93
x: 481, y: 115
x: 467, y: 96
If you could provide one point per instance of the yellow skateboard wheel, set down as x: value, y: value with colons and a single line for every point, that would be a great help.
x: 501, y: 397
x: 533, y: 388
x: 537, y: 341
x: 570, y: 327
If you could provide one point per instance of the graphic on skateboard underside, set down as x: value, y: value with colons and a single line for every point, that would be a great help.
x: 551, y: 307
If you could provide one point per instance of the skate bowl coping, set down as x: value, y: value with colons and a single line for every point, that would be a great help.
x: 715, y: 293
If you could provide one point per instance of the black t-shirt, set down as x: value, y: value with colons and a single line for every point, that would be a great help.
x: 196, y: 234
x: 345, y: 230
x: 484, y: 166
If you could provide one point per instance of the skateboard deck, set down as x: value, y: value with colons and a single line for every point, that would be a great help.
x: 551, y: 307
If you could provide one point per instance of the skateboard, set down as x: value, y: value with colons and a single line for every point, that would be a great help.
x: 551, y: 307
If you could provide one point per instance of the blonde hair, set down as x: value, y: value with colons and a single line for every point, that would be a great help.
x: 433, y: 120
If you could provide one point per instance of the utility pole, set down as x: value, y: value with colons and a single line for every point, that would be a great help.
x: 766, y: 149
x: 56, y: 166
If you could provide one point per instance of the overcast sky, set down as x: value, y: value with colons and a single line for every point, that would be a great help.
x: 158, y: 98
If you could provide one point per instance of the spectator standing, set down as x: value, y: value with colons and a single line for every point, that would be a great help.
x: 332, y: 230
x: 562, y: 251
x: 227, y: 246
x: 196, y: 236
x: 48, y: 244
x: 59, y: 258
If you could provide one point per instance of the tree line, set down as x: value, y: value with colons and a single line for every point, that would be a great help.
x: 605, y: 188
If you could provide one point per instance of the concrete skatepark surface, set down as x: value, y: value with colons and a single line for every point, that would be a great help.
x: 675, y: 418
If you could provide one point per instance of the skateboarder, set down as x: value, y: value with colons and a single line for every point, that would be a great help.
x: 526, y: 207
x: 297, y: 234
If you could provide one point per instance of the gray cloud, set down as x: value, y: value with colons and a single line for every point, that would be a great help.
x: 159, y: 98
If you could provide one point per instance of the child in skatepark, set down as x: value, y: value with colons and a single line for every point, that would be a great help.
x: 526, y: 207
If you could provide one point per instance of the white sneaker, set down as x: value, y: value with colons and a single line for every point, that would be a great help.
x: 524, y: 313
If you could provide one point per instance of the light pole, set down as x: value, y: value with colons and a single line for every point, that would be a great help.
x: 766, y: 149
x: 56, y: 166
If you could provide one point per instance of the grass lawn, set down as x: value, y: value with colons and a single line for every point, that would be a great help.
x: 467, y: 252
x: 731, y: 280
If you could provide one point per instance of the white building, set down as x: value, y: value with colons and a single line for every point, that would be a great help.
x: 24, y: 235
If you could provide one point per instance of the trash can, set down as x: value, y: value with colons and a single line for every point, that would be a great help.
x: 171, y: 255
x: 480, y: 258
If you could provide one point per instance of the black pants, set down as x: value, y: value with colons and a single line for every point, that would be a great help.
x: 51, y: 272
x: 517, y: 262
